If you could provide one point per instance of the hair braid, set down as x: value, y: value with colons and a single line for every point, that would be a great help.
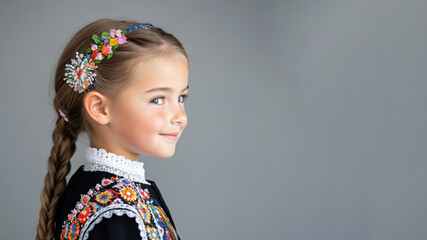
x: 55, y: 180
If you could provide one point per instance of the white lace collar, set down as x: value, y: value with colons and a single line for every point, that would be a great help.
x: 101, y: 160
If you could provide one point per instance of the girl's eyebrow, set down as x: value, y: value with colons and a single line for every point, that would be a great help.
x: 167, y: 89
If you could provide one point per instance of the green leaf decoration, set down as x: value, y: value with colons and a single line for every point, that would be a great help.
x: 88, y: 50
x: 96, y: 39
x: 97, y: 61
x: 105, y: 35
x: 109, y: 55
x: 115, y: 47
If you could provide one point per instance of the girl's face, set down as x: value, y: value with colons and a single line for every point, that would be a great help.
x: 152, y: 106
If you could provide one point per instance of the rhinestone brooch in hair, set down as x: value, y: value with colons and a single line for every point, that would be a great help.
x: 79, y: 74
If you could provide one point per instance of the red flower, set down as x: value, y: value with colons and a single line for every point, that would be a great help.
x: 104, y: 50
x: 94, y: 53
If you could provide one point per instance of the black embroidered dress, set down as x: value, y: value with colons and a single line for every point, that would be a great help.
x: 109, y: 198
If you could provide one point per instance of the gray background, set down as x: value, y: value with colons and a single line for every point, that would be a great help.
x: 307, y: 119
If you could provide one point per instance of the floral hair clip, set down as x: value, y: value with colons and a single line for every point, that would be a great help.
x: 80, y: 73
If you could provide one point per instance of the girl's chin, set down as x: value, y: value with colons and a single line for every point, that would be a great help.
x: 165, y: 151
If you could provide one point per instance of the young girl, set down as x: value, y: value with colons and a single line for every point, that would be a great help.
x: 124, y: 83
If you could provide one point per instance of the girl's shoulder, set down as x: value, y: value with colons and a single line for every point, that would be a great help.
x: 93, y: 196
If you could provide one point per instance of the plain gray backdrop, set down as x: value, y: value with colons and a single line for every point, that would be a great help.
x: 306, y: 119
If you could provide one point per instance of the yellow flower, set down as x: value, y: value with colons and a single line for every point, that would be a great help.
x: 113, y: 41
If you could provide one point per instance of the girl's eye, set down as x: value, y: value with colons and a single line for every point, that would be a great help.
x: 183, y: 97
x: 156, y: 100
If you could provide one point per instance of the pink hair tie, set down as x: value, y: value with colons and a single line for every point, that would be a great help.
x: 63, y: 115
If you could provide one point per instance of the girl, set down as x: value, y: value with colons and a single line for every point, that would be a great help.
x: 124, y: 83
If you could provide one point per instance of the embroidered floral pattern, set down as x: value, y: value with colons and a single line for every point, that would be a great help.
x: 116, y: 191
x: 74, y: 231
x: 143, y: 211
x: 84, y: 214
x: 128, y: 194
x: 104, y: 197
x: 106, y: 182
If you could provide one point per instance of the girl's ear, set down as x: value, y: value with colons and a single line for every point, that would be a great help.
x: 97, y: 107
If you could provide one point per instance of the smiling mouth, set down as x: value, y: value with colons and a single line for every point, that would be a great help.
x: 171, y: 136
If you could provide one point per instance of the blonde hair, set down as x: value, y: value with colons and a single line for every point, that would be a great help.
x: 112, y: 75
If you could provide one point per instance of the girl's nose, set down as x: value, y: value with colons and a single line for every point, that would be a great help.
x: 180, y: 116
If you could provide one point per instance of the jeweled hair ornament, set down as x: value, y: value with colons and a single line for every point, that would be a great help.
x: 80, y: 73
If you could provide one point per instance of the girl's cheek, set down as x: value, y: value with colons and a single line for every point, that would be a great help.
x: 152, y: 121
x: 141, y: 129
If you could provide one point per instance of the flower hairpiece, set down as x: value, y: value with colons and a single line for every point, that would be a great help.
x: 80, y: 73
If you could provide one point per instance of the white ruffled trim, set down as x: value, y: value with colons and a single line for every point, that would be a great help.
x: 107, y: 212
x: 101, y: 160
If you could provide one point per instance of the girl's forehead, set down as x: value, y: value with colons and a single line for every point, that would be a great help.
x: 161, y: 72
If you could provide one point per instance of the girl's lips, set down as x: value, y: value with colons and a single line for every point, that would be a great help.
x: 171, y: 136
